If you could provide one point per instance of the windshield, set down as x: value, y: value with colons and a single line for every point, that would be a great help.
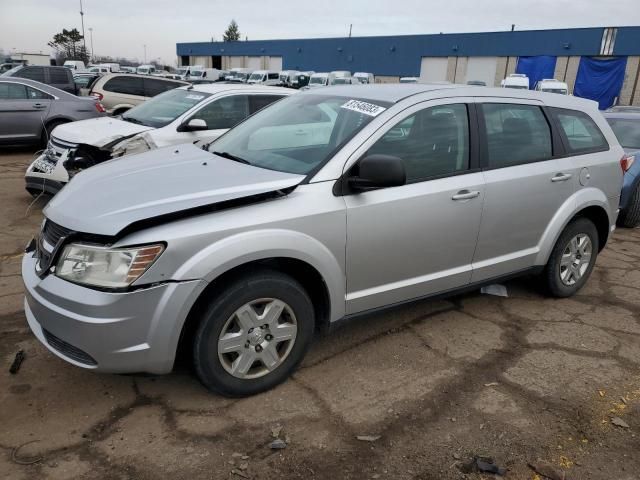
x: 256, y: 76
x: 196, y: 73
x: 627, y: 131
x: 164, y: 108
x: 181, y: 71
x: 561, y: 91
x: 341, y: 81
x: 318, y: 80
x: 408, y: 80
x: 143, y: 70
x: 297, y: 134
x: 517, y: 87
x: 241, y: 76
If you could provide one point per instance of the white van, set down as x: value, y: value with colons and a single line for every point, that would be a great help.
x: 288, y: 77
x: 204, y: 74
x: 364, y: 77
x: 320, y: 79
x: 239, y: 74
x: 264, y: 77
x: 76, y: 65
x: 516, y: 80
x: 551, y: 85
x: 338, y: 74
x: 409, y: 80
x: 146, y: 69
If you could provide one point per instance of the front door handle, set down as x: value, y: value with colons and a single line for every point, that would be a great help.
x: 39, y: 106
x: 465, y: 195
x: 561, y: 177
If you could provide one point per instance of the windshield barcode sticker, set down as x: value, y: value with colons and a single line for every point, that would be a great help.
x: 364, y: 107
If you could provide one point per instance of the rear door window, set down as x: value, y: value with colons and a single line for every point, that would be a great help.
x: 581, y: 134
x: 59, y: 75
x: 258, y: 102
x: 32, y: 73
x: 125, y: 85
x: 12, y: 91
x: 225, y: 112
x: 34, y: 94
x: 515, y: 134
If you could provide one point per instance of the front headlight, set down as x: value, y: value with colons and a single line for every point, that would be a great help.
x: 105, y: 267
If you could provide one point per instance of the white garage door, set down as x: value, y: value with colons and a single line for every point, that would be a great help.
x: 433, y: 69
x: 483, y: 69
x: 254, y: 63
x: 275, y: 63
x: 235, y: 62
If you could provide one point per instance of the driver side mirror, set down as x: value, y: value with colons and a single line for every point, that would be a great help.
x: 193, y: 125
x: 378, y: 171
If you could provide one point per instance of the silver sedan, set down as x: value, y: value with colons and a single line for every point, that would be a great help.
x: 30, y: 110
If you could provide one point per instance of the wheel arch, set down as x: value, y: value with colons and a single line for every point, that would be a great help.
x: 306, y: 274
x: 588, y: 203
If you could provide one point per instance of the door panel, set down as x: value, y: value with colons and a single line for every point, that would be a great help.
x: 417, y: 239
x: 410, y: 241
x: 525, y: 187
x: 21, y: 118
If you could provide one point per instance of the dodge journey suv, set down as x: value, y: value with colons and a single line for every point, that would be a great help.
x: 323, y: 206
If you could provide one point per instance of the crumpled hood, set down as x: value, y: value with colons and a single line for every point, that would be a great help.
x: 97, y: 131
x: 107, y: 198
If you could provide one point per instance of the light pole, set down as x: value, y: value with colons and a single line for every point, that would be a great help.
x: 91, y: 35
x: 145, y: 53
x: 84, y: 42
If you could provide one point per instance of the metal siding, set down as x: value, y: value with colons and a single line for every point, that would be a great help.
x: 400, y: 55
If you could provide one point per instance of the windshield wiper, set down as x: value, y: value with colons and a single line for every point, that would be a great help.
x: 232, y: 157
x: 132, y: 120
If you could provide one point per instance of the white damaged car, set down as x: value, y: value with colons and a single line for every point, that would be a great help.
x: 183, y: 115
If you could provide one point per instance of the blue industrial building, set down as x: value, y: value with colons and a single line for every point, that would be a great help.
x: 456, y: 57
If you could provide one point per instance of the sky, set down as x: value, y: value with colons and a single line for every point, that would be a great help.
x: 121, y: 28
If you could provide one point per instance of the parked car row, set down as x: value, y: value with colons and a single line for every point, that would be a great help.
x: 238, y: 250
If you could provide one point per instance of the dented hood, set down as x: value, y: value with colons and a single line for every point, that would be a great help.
x: 109, y: 197
x: 97, y: 131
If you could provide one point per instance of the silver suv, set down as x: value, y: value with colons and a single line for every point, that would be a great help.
x: 323, y: 206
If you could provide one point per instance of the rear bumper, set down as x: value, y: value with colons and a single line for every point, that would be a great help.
x: 117, y: 332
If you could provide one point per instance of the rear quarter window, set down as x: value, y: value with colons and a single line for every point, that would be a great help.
x: 580, y: 132
x: 153, y: 86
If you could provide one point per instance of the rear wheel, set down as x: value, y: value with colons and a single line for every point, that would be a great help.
x: 630, y: 216
x: 572, y: 259
x: 253, y: 334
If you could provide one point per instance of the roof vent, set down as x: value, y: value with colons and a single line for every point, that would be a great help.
x: 608, y: 41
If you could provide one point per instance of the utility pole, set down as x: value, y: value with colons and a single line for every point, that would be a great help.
x: 350, y: 27
x: 513, y: 27
x: 145, y: 53
x: 91, y: 35
x: 84, y: 42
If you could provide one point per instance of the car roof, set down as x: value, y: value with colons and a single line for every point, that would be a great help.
x: 395, y: 92
x: 39, y: 85
x: 214, y: 88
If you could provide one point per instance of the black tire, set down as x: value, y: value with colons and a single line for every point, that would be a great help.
x: 261, y: 284
x: 630, y: 216
x: 48, y: 128
x: 551, y: 276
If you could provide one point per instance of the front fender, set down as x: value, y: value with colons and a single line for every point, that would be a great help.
x: 236, y: 250
x: 584, y: 198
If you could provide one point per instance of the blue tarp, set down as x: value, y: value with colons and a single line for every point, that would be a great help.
x: 536, y: 68
x: 600, y: 80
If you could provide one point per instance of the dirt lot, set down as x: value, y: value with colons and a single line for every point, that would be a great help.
x: 518, y: 379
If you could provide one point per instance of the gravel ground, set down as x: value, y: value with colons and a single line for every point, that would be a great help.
x: 522, y: 379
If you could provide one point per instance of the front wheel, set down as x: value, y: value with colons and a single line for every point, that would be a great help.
x: 253, y: 334
x: 572, y: 259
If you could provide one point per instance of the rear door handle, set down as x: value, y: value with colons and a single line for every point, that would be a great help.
x: 465, y: 195
x: 561, y: 177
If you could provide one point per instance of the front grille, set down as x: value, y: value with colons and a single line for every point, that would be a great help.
x: 56, y: 148
x: 52, y: 232
x: 68, y: 350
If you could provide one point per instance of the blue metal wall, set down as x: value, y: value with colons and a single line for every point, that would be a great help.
x: 400, y: 55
